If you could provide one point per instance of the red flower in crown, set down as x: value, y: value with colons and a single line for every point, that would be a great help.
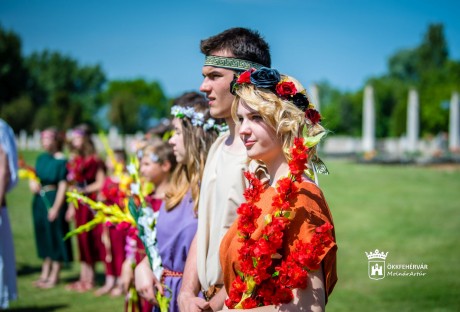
x: 286, y: 88
x: 245, y: 77
x: 313, y: 115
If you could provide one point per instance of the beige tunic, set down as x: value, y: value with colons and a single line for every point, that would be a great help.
x: 221, y: 194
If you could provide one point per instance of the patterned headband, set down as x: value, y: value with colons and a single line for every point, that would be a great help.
x: 230, y: 63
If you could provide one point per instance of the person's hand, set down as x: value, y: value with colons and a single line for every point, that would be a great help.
x: 34, y: 186
x: 70, y: 213
x: 127, y: 275
x: 53, y: 214
x: 188, y: 302
x: 145, y: 282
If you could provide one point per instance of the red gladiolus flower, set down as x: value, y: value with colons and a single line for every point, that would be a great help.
x: 249, y: 303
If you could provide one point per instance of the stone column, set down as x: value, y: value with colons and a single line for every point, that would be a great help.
x: 315, y: 96
x: 454, y: 123
x: 368, y: 140
x: 412, y: 126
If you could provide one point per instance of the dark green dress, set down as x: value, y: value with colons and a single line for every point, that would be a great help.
x: 49, y: 235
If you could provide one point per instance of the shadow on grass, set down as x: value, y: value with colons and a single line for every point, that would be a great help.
x: 26, y: 269
x: 99, y: 278
x: 39, y: 309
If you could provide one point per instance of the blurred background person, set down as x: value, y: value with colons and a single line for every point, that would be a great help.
x: 8, y: 179
x: 49, y: 208
x: 86, y: 174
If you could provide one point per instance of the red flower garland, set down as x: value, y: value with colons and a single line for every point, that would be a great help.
x: 261, y: 281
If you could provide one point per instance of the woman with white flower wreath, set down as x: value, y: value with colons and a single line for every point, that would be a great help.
x: 194, y: 133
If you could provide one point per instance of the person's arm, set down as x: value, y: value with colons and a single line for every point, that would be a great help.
x: 187, y: 299
x: 58, y: 201
x: 4, y: 174
x: 96, y: 186
x: 310, y: 299
x: 217, y: 302
x: 34, y: 186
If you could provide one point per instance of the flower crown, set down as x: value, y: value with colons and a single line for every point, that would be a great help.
x: 196, y: 118
x: 271, y: 79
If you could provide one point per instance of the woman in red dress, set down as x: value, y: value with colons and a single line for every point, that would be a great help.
x: 86, y: 174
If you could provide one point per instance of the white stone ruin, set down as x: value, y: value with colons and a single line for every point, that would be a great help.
x: 368, y: 139
x: 315, y: 96
x: 413, y: 123
x: 454, y: 123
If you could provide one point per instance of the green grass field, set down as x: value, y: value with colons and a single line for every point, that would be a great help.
x: 413, y: 213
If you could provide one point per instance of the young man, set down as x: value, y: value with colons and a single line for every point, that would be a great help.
x: 223, y: 184
x: 227, y: 53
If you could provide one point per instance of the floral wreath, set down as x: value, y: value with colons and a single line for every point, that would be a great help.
x: 197, y: 118
x: 271, y: 79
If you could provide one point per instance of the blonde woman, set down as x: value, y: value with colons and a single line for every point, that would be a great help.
x: 275, y: 120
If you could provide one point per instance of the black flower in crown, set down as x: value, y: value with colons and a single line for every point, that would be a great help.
x: 301, y: 101
x: 265, y: 78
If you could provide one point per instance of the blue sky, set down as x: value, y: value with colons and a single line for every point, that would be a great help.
x: 343, y: 42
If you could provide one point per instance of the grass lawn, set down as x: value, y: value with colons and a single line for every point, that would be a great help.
x: 413, y: 213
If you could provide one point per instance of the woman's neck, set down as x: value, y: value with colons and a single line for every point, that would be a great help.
x: 277, y: 168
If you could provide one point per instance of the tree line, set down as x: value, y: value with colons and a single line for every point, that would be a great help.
x: 50, y: 88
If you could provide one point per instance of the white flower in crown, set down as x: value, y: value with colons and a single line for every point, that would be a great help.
x: 209, y: 124
x: 189, y: 112
x: 197, y: 119
x: 176, y: 111
x: 154, y: 158
x: 222, y: 128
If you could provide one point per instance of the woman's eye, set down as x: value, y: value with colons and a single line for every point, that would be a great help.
x: 240, y: 119
x: 256, y: 117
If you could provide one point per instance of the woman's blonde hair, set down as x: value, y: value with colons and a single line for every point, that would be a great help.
x: 197, y: 142
x: 280, y: 114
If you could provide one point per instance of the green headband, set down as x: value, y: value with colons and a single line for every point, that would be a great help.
x: 230, y: 63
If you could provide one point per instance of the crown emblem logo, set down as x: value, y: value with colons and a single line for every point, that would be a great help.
x: 376, y: 255
x: 376, y: 264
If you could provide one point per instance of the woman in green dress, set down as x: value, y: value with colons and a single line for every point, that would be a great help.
x: 49, y: 208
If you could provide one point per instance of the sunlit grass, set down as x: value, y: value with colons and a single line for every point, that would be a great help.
x: 411, y: 212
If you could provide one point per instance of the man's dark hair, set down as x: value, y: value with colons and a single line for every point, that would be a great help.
x: 243, y: 43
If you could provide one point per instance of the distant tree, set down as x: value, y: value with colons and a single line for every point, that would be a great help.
x: 433, y: 51
x: 340, y: 111
x: 13, y: 79
x: 135, y: 103
x: 403, y: 65
x: 64, y: 92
